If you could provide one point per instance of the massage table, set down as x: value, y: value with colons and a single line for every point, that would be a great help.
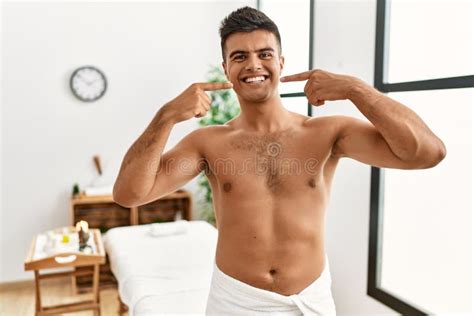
x: 167, y: 274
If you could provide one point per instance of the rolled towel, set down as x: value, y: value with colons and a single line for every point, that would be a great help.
x: 170, y: 228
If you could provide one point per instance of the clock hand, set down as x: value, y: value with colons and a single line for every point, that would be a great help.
x: 83, y: 79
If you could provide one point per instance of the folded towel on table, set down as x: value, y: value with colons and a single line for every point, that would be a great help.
x: 98, y: 190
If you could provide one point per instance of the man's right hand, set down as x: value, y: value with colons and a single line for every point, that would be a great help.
x: 193, y: 102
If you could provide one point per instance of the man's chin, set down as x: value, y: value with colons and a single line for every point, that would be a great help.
x: 254, y: 96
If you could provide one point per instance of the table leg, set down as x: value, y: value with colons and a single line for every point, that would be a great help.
x: 95, y: 289
x: 39, y: 309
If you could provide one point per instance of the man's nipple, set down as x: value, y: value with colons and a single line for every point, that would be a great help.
x: 227, y: 187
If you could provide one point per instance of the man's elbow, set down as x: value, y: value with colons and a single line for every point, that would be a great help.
x: 123, y: 199
x: 435, y: 157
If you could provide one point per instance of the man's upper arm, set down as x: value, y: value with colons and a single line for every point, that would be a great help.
x: 361, y: 141
x: 178, y: 166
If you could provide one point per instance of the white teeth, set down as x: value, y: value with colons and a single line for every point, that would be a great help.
x: 252, y: 79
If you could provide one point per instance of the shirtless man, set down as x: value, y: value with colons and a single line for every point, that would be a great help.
x: 271, y: 169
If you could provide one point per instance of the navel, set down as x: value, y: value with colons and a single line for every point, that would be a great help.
x: 272, y: 271
x: 227, y: 186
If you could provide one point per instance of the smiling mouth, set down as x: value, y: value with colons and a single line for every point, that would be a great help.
x: 255, y: 80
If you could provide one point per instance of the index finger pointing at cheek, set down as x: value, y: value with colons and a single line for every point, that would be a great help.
x: 207, y: 86
x: 297, y: 77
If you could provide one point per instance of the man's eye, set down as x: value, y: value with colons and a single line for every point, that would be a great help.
x: 266, y: 55
x: 239, y: 57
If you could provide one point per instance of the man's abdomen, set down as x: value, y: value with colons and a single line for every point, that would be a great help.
x: 278, y: 248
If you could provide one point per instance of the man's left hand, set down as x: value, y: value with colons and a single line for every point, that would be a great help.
x: 323, y: 85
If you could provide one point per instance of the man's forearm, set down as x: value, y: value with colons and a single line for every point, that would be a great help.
x: 140, y: 164
x: 405, y: 132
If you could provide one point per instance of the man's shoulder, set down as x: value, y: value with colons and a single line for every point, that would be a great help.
x: 206, y: 132
x: 215, y: 129
x: 329, y: 121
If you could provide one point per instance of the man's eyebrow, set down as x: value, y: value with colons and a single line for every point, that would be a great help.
x: 245, y: 52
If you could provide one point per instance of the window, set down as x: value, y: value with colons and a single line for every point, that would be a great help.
x: 437, y: 46
x: 420, y: 243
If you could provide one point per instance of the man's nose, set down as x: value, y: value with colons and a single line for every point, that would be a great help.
x: 253, y: 63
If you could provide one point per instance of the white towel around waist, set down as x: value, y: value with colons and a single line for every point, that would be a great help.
x: 229, y: 296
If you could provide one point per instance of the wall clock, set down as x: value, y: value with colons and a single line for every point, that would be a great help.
x: 88, y: 83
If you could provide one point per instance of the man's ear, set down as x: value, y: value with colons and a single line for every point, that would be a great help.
x: 225, y: 70
x: 282, y: 63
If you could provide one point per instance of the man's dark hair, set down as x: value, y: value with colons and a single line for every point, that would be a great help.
x: 246, y: 19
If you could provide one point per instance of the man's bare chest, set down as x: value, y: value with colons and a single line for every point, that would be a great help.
x: 279, y: 162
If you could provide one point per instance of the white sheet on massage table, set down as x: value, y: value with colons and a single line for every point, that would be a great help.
x: 163, y: 274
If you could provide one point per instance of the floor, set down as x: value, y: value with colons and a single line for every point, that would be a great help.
x: 19, y: 298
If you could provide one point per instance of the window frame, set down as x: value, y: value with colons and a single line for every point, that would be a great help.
x: 374, y: 288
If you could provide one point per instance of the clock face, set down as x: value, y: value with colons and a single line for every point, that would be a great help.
x: 88, y: 83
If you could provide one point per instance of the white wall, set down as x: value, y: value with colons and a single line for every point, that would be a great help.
x: 345, y: 43
x: 149, y: 52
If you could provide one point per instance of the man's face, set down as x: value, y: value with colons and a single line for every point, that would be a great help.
x: 249, y: 58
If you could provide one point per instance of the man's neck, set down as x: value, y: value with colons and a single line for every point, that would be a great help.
x: 264, y: 117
